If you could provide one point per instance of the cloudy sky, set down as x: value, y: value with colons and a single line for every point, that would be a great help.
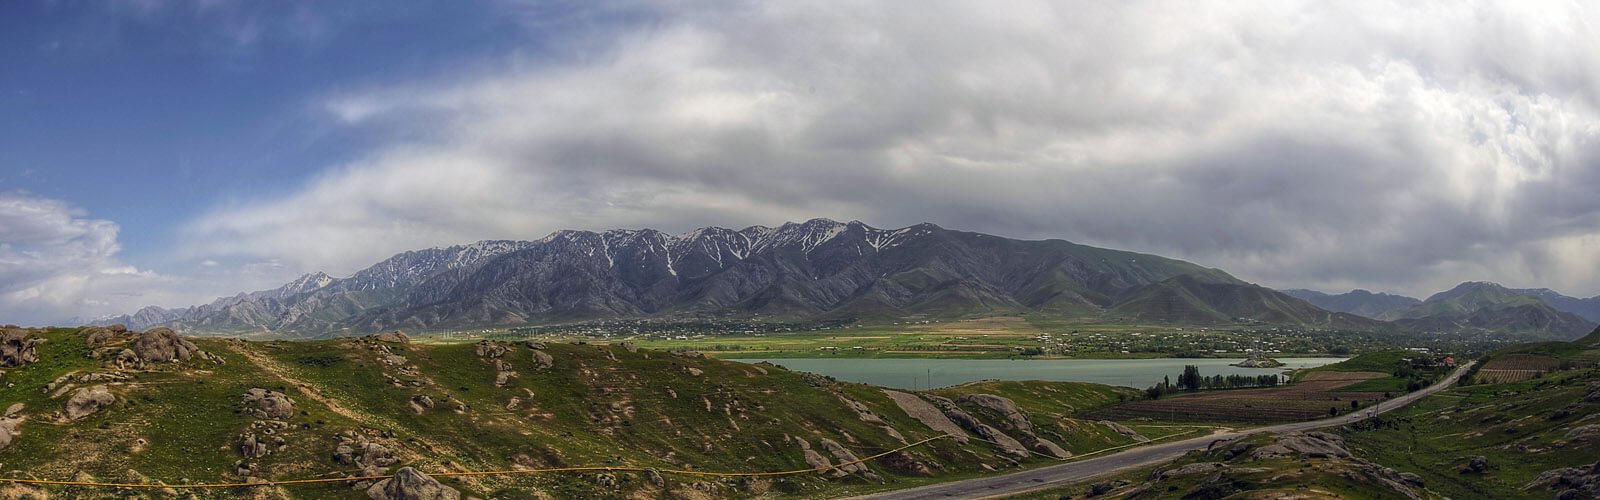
x: 168, y: 152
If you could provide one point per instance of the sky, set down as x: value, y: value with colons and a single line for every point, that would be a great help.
x: 168, y: 152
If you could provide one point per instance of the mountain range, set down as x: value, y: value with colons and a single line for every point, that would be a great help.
x: 1473, y: 305
x: 815, y: 270
x: 818, y: 269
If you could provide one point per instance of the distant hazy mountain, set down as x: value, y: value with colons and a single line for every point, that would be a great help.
x: 1587, y: 308
x: 812, y: 270
x: 1358, y: 302
x: 1477, y: 305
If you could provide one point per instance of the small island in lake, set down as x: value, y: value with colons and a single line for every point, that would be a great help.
x: 1257, y: 360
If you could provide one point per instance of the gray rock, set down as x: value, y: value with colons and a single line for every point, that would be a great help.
x: 846, y: 457
x: 542, y: 360
x: 491, y: 349
x: 1189, y: 470
x: 161, y: 345
x: 1476, y: 465
x: 9, y: 430
x: 394, y: 337
x: 88, y: 400
x: 17, y: 348
x: 408, y: 484
x: 267, y: 404
x: 926, y: 413
x: 251, y: 447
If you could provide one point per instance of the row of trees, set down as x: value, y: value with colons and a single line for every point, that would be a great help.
x: 1191, y: 381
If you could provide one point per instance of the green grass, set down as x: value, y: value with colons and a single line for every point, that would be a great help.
x: 1515, y: 425
x: 600, y: 405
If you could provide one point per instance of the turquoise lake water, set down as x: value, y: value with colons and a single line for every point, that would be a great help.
x: 932, y: 373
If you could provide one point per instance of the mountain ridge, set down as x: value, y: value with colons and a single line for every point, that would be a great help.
x: 817, y: 269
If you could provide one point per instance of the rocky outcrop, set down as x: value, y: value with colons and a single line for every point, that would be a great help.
x: 161, y: 345
x: 394, y: 337
x: 1015, y: 422
x: 408, y: 484
x: 421, y: 403
x: 1008, y: 445
x: 17, y: 348
x: 265, y: 404
x: 252, y: 447
x: 817, y: 461
x: 848, y: 461
x: 88, y: 400
x: 10, y: 427
x: 490, y: 349
x: 1124, y: 430
x: 926, y: 413
x: 1569, y: 482
x: 369, y: 458
x: 1310, y: 444
x: 542, y: 360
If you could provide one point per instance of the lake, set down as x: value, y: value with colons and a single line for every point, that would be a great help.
x: 926, y: 373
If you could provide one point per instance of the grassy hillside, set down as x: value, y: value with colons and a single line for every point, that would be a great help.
x: 1535, y: 438
x: 568, y: 405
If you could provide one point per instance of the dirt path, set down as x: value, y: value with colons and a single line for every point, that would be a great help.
x: 272, y: 366
x: 277, y: 369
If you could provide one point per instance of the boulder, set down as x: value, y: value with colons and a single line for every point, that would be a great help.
x: 408, y: 484
x: 542, y: 360
x: 9, y: 430
x: 251, y: 447
x: 97, y: 336
x: 1476, y: 465
x: 88, y: 400
x: 849, y: 462
x: 161, y: 345
x: 17, y: 348
x: 266, y: 404
x: 368, y: 458
x: 926, y: 413
x: 490, y: 349
x: 394, y: 337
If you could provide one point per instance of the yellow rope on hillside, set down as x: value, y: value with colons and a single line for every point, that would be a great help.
x: 474, y: 473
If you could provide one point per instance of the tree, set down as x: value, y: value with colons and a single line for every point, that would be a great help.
x: 1190, y: 380
x: 1333, y: 411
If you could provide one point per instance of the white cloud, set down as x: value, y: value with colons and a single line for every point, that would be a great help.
x: 1391, y: 146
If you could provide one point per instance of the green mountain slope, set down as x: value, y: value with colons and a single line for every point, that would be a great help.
x: 1479, y: 306
x: 491, y: 406
x: 1187, y: 300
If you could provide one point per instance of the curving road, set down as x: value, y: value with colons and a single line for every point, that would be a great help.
x: 1068, y: 473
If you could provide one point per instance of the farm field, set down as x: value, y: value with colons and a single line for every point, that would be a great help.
x: 1515, y: 368
x: 1310, y: 398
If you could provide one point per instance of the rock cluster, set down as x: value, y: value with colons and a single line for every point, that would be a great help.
x: 161, y: 345
x: 17, y: 348
x: 491, y: 349
x: 1013, y: 420
x: 1569, y: 482
x: 265, y: 404
x: 1008, y: 445
x: 394, y: 337
x: 409, y: 484
x: 1311, y: 445
x: 369, y: 458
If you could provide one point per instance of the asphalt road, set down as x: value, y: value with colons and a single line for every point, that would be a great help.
x: 1068, y: 473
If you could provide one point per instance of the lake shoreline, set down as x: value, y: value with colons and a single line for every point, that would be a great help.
x: 933, y: 373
